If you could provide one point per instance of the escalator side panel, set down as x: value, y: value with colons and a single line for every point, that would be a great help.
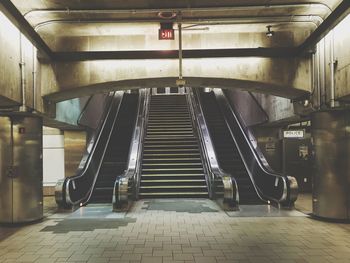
x: 116, y: 156
x: 226, y: 150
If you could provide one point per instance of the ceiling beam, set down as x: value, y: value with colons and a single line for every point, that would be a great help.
x: 174, y: 54
x: 8, y: 8
x: 327, y: 25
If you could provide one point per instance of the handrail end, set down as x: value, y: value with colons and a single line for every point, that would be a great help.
x: 60, y: 194
x: 231, y: 196
x: 120, y: 200
x: 292, y: 192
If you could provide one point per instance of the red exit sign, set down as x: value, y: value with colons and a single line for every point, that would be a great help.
x: 166, y: 34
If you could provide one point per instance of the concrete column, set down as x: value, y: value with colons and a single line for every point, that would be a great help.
x: 331, y: 139
x: 21, y: 174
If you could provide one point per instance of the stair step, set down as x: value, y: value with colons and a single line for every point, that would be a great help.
x: 170, y: 126
x: 170, y: 129
x: 173, y: 193
x: 172, y: 175
x: 171, y: 169
x: 172, y: 150
x: 171, y: 159
x: 171, y: 186
x: 170, y: 140
x: 169, y: 136
x: 174, y: 181
x: 179, y: 132
x: 171, y: 154
x: 171, y: 164
x: 170, y: 145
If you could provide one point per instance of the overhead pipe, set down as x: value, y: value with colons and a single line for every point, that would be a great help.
x: 23, y: 106
x: 201, y: 22
x: 332, y: 65
x: 185, y: 9
x: 34, y: 76
x: 180, y: 50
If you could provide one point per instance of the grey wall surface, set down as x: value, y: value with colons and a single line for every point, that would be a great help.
x: 15, y: 50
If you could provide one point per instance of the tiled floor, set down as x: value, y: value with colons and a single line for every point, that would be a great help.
x: 177, y: 231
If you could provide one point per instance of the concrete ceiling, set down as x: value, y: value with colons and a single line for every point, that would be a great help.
x: 54, y: 19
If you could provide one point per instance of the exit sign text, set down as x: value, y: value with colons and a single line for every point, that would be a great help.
x: 166, y: 34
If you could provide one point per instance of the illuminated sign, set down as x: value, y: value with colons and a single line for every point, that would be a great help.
x: 166, y: 31
x: 166, y: 34
x: 293, y: 134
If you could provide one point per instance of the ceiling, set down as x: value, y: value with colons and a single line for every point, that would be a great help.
x: 235, y: 24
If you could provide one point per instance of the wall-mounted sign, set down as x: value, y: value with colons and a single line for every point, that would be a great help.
x: 270, y: 147
x: 166, y: 34
x: 166, y: 31
x: 293, y: 134
x: 21, y: 130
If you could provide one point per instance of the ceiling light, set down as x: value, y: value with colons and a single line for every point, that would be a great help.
x: 269, y: 33
x: 167, y: 14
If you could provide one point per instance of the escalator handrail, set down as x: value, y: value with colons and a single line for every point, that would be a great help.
x: 255, y: 153
x: 231, y: 193
x: 121, y: 185
x: 89, y: 155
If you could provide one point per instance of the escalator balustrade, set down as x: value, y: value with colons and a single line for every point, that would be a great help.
x: 116, y: 157
x: 226, y: 150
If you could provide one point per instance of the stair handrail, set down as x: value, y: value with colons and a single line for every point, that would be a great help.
x: 231, y: 195
x: 64, y: 188
x: 285, y: 188
x: 132, y: 173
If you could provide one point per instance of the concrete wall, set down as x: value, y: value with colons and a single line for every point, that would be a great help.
x: 225, y: 36
x: 53, y: 158
x: 283, y: 77
x: 15, y: 50
x: 277, y: 108
x: 333, y: 52
x: 247, y: 107
x: 74, y: 148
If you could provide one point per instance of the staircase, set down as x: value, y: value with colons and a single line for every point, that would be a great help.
x: 226, y: 150
x: 171, y: 164
x: 117, y: 152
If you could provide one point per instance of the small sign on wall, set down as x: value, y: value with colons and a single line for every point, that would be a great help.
x: 21, y: 130
x: 270, y: 147
x: 293, y: 134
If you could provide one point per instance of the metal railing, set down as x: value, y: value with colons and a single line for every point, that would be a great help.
x: 130, y: 179
x: 215, y: 173
x: 271, y: 185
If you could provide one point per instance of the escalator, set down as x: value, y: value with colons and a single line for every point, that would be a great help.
x: 171, y: 163
x: 106, y: 156
x: 226, y: 150
x: 117, y: 152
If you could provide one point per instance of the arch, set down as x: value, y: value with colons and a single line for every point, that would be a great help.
x: 248, y: 85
